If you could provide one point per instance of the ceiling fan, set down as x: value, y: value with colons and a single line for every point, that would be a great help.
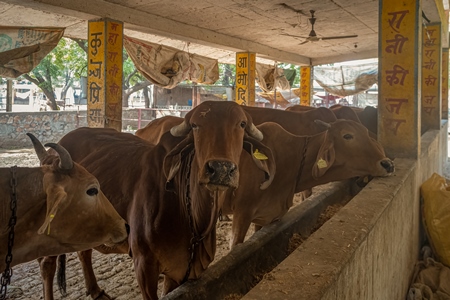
x: 312, y: 37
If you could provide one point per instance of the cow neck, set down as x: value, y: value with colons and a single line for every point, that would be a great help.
x: 304, y: 179
x: 303, y: 160
x: 196, y: 238
x: 6, y: 275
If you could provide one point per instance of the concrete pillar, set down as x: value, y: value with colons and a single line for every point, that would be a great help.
x: 399, y: 77
x: 245, y: 78
x: 105, y: 68
x: 431, y: 77
x: 305, y: 85
x: 444, y: 83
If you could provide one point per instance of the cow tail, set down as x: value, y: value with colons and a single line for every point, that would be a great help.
x: 61, y: 274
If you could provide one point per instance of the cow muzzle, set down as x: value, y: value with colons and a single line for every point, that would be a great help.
x: 386, y: 167
x: 220, y: 175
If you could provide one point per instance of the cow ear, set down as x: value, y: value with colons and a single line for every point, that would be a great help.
x: 172, y: 160
x: 54, y: 198
x: 325, y: 158
x: 263, y: 158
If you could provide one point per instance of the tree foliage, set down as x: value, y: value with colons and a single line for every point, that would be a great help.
x: 65, y: 63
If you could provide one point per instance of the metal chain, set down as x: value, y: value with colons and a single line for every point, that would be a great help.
x: 302, y: 164
x: 196, y: 239
x: 7, y: 274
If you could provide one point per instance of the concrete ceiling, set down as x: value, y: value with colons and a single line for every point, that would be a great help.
x: 218, y: 29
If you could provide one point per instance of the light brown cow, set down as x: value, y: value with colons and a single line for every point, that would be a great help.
x: 169, y: 192
x: 59, y: 208
x: 344, y: 150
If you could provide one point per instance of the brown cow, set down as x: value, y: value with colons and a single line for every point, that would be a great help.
x: 300, y: 123
x: 343, y: 151
x: 368, y: 116
x: 59, y: 208
x: 155, y: 129
x: 169, y: 192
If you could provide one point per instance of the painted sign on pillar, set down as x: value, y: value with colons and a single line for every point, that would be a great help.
x: 105, y: 65
x: 245, y: 78
x: 444, y: 83
x: 305, y: 86
x: 431, y: 77
x: 399, y: 77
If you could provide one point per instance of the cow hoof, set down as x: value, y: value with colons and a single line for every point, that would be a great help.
x: 102, y: 296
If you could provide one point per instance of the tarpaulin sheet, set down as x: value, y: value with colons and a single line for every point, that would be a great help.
x: 167, y: 66
x: 348, y: 80
x: 23, y: 48
x: 268, y: 78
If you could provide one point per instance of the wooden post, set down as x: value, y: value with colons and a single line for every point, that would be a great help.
x: 105, y: 67
x: 431, y: 77
x: 245, y: 78
x: 399, y: 77
x: 305, y: 86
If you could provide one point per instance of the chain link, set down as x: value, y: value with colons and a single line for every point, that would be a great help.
x: 196, y: 239
x: 302, y: 164
x: 7, y: 274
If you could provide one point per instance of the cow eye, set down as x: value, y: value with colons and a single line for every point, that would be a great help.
x: 92, y: 191
x: 348, y: 136
x: 243, y: 124
x: 193, y: 125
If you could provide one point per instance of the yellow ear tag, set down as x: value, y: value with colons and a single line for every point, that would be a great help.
x: 51, y: 216
x: 259, y: 155
x: 321, y: 163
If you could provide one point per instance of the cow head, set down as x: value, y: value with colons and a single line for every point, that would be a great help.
x: 347, y: 148
x: 74, y: 198
x: 218, y: 131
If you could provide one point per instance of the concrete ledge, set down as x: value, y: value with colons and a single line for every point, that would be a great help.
x: 369, y: 248
x: 244, y: 266
x: 366, y: 251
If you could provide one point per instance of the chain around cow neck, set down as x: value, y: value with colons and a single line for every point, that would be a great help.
x: 6, y: 275
x: 302, y: 163
x: 196, y: 238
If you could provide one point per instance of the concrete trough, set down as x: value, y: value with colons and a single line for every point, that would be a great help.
x: 237, y: 272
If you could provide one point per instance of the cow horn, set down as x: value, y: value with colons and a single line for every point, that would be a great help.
x: 255, y: 132
x: 320, y: 122
x: 181, y: 129
x: 65, y: 160
x: 38, y: 147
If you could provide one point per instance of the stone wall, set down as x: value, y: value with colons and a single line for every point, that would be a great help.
x: 47, y: 126
x: 50, y: 126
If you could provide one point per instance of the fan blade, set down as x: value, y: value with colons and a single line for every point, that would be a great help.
x: 292, y: 35
x: 338, y: 37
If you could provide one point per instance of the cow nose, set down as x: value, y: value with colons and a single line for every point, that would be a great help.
x: 127, y: 228
x: 220, y: 172
x: 388, y: 165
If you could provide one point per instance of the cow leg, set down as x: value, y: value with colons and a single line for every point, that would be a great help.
x: 47, y: 265
x: 239, y: 229
x: 90, y: 280
x: 147, y: 274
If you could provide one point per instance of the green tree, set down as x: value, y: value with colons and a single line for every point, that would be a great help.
x: 133, y: 81
x: 66, y: 62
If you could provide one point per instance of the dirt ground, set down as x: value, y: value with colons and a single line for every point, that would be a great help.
x: 114, y: 272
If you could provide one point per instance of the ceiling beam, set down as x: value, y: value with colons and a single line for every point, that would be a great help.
x: 345, y: 57
x: 145, y: 22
